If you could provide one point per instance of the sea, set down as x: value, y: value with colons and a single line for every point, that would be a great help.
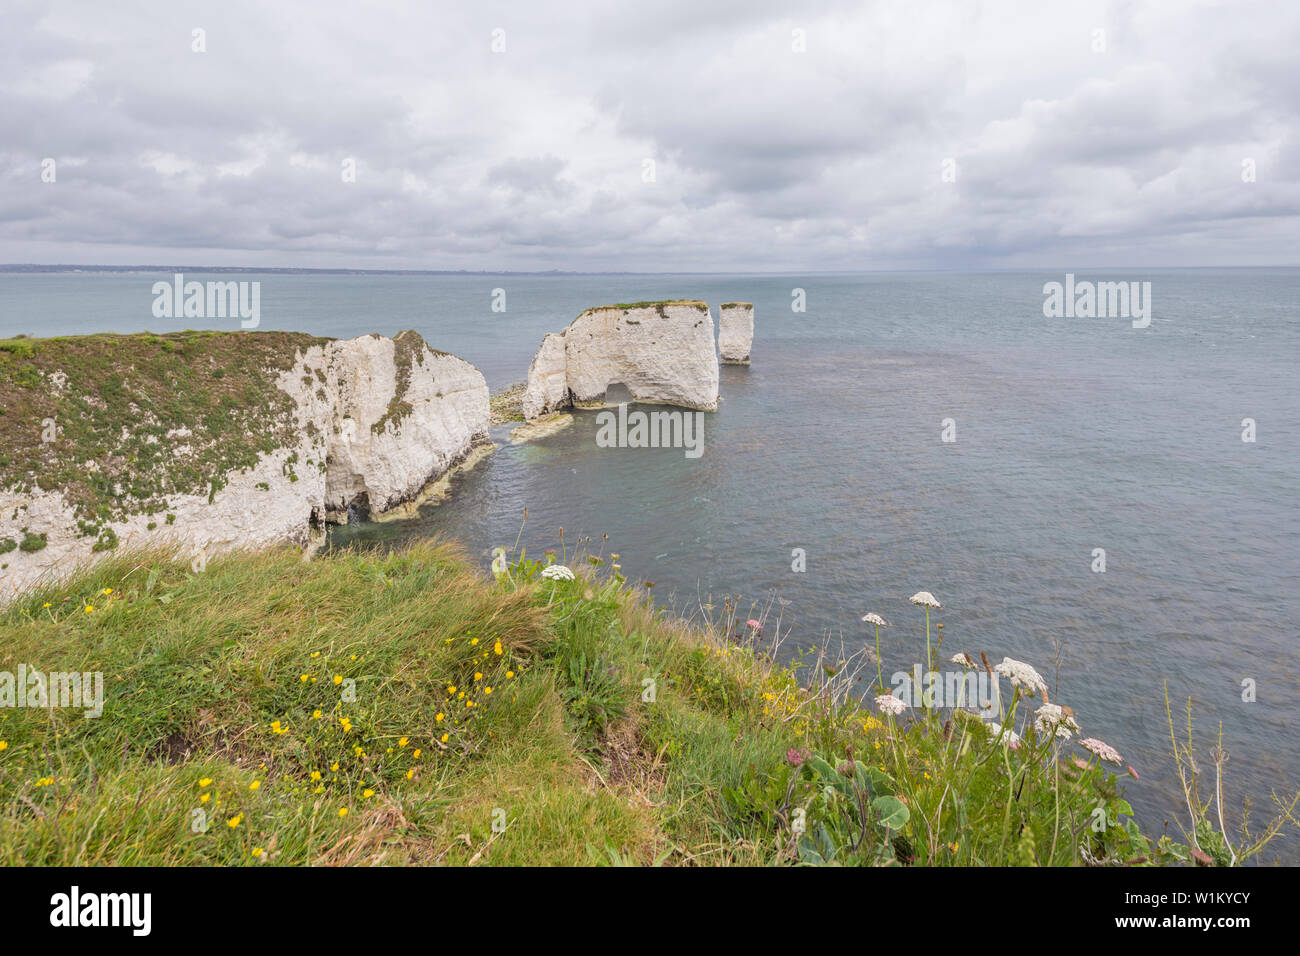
x: 1115, y: 505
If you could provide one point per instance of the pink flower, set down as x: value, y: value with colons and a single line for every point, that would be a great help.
x: 754, y: 624
x: 795, y: 756
x: 1102, y: 749
x: 889, y: 704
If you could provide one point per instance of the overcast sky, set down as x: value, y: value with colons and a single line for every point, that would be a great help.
x: 784, y: 136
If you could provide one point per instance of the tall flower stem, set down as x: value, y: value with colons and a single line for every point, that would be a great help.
x: 880, y: 674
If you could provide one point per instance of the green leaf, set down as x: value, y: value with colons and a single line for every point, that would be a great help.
x: 893, y: 812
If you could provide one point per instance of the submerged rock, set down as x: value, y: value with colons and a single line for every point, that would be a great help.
x: 735, y: 332
x: 661, y: 352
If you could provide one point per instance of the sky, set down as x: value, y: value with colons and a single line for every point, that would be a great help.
x: 678, y: 135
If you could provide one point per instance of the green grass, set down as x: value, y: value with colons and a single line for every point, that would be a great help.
x: 284, y: 692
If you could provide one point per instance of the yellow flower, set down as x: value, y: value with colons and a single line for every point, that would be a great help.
x: 46, y: 604
x: 487, y: 690
x: 417, y: 753
x: 510, y: 675
x: 444, y: 737
x: 90, y: 608
x: 257, y: 851
x: 410, y: 773
x: 304, y: 677
x: 367, y: 793
x: 451, y: 689
x: 439, y: 717
x: 205, y: 781
x: 275, y: 726
x: 335, y: 766
x: 478, y: 675
x: 315, y: 774
x: 254, y: 785
x: 345, y: 724
x: 319, y: 789
x: 315, y: 654
x: 106, y: 591
x: 497, y: 647
x: 473, y: 642
x: 204, y: 798
x: 403, y: 742
x: 338, y: 679
x: 235, y: 821
x: 315, y: 715
x: 343, y: 811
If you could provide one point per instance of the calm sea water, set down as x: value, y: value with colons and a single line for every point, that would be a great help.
x: 1072, y: 434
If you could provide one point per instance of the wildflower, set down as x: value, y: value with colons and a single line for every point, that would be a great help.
x: 478, y: 675
x: 1102, y: 749
x: 794, y: 756
x: 315, y: 774
x: 875, y: 619
x: 338, y: 679
x: 255, y: 785
x: 345, y: 724
x: 315, y: 654
x: 487, y: 690
x: 206, y: 781
x: 1055, y: 720
x: 444, y: 737
x: 889, y: 704
x: 473, y: 642
x: 496, y: 648
x: 90, y: 609
x: 557, y: 572
x: 257, y: 851
x: 235, y: 821
x: 335, y: 766
x: 964, y: 659
x: 924, y: 599
x: 753, y: 624
x: 410, y: 773
x: 46, y: 604
x: 367, y: 793
x: 510, y: 675
x: 106, y: 591
x: 315, y: 715
x: 205, y: 798
x: 451, y: 689
x: 403, y: 741
x: 304, y: 677
x: 1023, y: 676
x: 343, y: 811
x: 1009, y: 737
x: 276, y: 727
x: 416, y: 755
x: 439, y: 716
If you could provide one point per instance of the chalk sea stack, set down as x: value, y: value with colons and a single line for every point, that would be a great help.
x: 735, y: 332
x: 661, y: 352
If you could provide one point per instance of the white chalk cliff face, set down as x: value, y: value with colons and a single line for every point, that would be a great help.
x: 662, y: 352
x: 376, y: 419
x: 735, y: 332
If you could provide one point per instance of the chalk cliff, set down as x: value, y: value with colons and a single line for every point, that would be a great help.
x: 315, y: 427
x: 735, y: 332
x: 662, y: 352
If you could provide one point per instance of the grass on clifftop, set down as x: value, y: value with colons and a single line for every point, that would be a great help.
x: 91, y: 415
x: 406, y: 708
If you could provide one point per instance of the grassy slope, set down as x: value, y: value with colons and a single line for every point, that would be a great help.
x: 199, y: 668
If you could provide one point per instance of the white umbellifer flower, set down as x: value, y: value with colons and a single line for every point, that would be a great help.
x: 1008, y: 737
x: 876, y: 619
x: 1102, y: 749
x: 557, y: 572
x: 1023, y: 676
x: 889, y: 704
x: 964, y: 659
x: 924, y: 599
x: 1053, y: 719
